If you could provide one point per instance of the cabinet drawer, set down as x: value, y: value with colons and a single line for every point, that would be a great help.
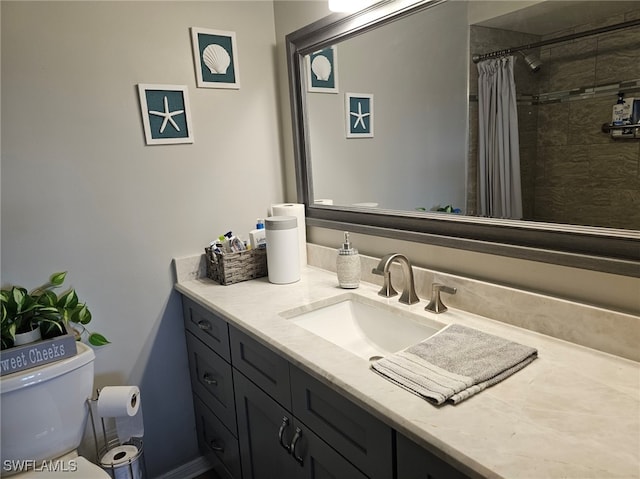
x: 217, y: 442
x: 264, y: 367
x: 361, y: 438
x: 206, y: 326
x: 212, y: 381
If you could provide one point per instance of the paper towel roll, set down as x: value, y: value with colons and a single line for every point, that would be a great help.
x: 122, y: 462
x: 118, y: 401
x: 297, y: 210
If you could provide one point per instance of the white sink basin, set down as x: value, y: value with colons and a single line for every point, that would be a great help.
x: 364, y: 327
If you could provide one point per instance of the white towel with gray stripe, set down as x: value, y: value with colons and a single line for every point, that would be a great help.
x: 454, y: 364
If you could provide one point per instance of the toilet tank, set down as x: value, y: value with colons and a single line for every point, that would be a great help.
x: 44, y: 410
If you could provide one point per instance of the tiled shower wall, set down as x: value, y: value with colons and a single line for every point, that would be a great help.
x: 571, y: 171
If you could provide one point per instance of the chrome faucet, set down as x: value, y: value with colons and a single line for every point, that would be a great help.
x: 435, y: 304
x: 409, y: 295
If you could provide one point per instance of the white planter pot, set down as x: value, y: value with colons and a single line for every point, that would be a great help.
x: 26, y: 338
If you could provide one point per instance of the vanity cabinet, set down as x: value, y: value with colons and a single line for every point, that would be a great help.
x: 414, y: 462
x: 260, y: 417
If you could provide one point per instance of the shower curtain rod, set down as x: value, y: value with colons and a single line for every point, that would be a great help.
x: 499, y: 53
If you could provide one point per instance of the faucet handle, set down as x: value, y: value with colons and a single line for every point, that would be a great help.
x: 435, y: 304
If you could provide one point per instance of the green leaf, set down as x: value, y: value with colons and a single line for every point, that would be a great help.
x: 29, y: 304
x: 57, y: 279
x: 68, y: 300
x: 18, y: 295
x: 50, y: 313
x: 81, y: 314
x: 97, y: 339
x: 48, y: 298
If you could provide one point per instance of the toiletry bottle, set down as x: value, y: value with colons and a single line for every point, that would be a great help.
x: 348, y: 265
x: 258, y: 237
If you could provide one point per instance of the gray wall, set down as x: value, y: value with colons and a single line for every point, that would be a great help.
x: 290, y: 16
x: 81, y: 191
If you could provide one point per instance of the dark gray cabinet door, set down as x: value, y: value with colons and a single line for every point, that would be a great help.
x: 265, y: 431
x: 316, y: 460
x: 414, y: 462
x: 275, y: 445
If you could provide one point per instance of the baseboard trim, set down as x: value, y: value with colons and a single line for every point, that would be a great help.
x: 191, y: 469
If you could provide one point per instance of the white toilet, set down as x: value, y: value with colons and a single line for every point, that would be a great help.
x: 43, y: 417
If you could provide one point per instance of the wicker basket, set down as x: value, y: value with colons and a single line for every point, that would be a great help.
x: 230, y: 268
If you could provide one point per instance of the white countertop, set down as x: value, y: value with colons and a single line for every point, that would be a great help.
x: 573, y: 413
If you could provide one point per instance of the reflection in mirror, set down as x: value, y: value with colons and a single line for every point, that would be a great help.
x: 425, y: 156
x: 417, y: 178
x: 416, y: 158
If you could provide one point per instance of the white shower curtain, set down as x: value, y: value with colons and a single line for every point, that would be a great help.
x: 499, y: 188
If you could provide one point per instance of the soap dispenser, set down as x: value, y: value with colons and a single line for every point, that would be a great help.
x: 348, y: 265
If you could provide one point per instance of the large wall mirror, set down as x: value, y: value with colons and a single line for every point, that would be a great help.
x: 386, y: 107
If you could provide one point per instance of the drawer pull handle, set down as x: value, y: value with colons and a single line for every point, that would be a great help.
x: 294, y: 443
x: 207, y: 378
x: 215, y: 446
x: 283, y: 426
x: 204, y: 325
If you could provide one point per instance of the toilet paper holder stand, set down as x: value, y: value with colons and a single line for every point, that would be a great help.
x: 133, y: 468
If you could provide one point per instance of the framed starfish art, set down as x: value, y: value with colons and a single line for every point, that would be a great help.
x: 359, y: 115
x: 166, y: 115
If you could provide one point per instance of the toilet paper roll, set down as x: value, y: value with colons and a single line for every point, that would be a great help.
x: 128, y: 427
x: 118, y: 401
x: 323, y: 201
x: 297, y: 210
x: 119, y: 455
x: 122, y: 462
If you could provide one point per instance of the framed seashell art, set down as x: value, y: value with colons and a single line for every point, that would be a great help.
x: 166, y: 114
x: 322, y: 70
x: 215, y: 55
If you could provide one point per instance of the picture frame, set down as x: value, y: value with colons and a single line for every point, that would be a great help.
x: 215, y: 56
x: 166, y: 114
x: 359, y: 117
x: 322, y: 70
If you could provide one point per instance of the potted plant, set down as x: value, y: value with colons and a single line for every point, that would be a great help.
x: 43, y: 311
